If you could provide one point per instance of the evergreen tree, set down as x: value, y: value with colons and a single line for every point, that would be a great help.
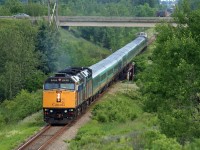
x: 47, y: 44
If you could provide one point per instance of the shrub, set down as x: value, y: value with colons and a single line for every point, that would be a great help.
x: 156, y: 141
x: 21, y: 106
x: 193, y: 145
x: 118, y: 108
x: 2, y: 120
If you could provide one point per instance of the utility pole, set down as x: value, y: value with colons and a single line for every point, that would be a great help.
x: 53, y: 12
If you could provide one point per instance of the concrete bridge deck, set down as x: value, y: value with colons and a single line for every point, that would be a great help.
x: 100, y: 21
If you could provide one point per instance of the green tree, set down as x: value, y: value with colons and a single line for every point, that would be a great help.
x: 194, y: 4
x: 14, y: 6
x: 4, y: 11
x: 172, y: 82
x: 35, y: 9
x: 47, y: 44
x: 18, y: 58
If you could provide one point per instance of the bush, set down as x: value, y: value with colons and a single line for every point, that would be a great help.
x: 2, y: 120
x: 180, y: 123
x: 21, y: 106
x: 118, y: 108
x: 35, y: 81
x: 194, y: 145
x: 157, y: 141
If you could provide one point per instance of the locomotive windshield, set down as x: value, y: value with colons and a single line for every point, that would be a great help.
x: 66, y: 86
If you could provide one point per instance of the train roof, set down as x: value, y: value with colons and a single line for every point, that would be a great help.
x: 75, y: 73
x: 115, y: 57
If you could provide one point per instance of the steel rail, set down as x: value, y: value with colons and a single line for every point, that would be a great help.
x: 56, y: 135
x: 26, y: 144
x: 59, y: 132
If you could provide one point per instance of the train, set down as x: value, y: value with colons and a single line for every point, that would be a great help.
x: 70, y: 91
x: 164, y: 13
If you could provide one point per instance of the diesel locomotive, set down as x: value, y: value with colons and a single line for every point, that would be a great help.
x: 70, y: 91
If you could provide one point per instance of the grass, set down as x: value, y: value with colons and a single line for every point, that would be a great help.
x: 12, y: 135
x: 12, y: 132
x: 73, y: 48
x: 131, y: 128
x: 114, y: 134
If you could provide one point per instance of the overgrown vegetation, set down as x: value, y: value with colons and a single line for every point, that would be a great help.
x: 29, y: 52
x: 79, y: 7
x: 120, y: 112
x: 18, y: 59
x: 12, y: 135
x: 73, y: 48
x: 110, y: 38
x: 137, y: 8
x: 119, y: 122
x: 171, y: 82
x: 26, y: 104
x: 169, y: 85
x: 169, y: 79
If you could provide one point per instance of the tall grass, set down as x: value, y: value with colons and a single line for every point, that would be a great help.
x: 118, y: 122
x: 118, y: 108
x: 11, y: 135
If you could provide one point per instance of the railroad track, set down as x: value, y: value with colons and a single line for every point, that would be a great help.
x: 151, y: 40
x: 41, y: 140
x: 50, y: 133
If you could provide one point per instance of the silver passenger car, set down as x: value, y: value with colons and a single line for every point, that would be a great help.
x: 105, y: 70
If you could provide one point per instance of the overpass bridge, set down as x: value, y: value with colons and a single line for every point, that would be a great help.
x: 99, y: 21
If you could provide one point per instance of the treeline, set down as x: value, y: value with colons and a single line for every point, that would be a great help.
x: 170, y: 83
x: 11, y: 7
x: 28, y: 52
x: 108, y: 37
x: 193, y: 4
x: 28, y: 56
x: 108, y: 8
x: 81, y: 8
x: 138, y: 8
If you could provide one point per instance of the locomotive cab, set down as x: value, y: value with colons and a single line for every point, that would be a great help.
x: 59, y: 99
x: 61, y: 96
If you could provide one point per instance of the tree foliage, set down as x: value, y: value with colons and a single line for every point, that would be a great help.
x: 11, y: 7
x: 18, y: 59
x: 14, y: 6
x: 172, y: 83
x: 47, y: 44
x: 108, y: 8
x: 110, y: 38
x: 193, y: 4
x: 27, y: 103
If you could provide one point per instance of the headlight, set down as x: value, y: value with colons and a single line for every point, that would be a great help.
x: 65, y: 111
x: 51, y: 111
